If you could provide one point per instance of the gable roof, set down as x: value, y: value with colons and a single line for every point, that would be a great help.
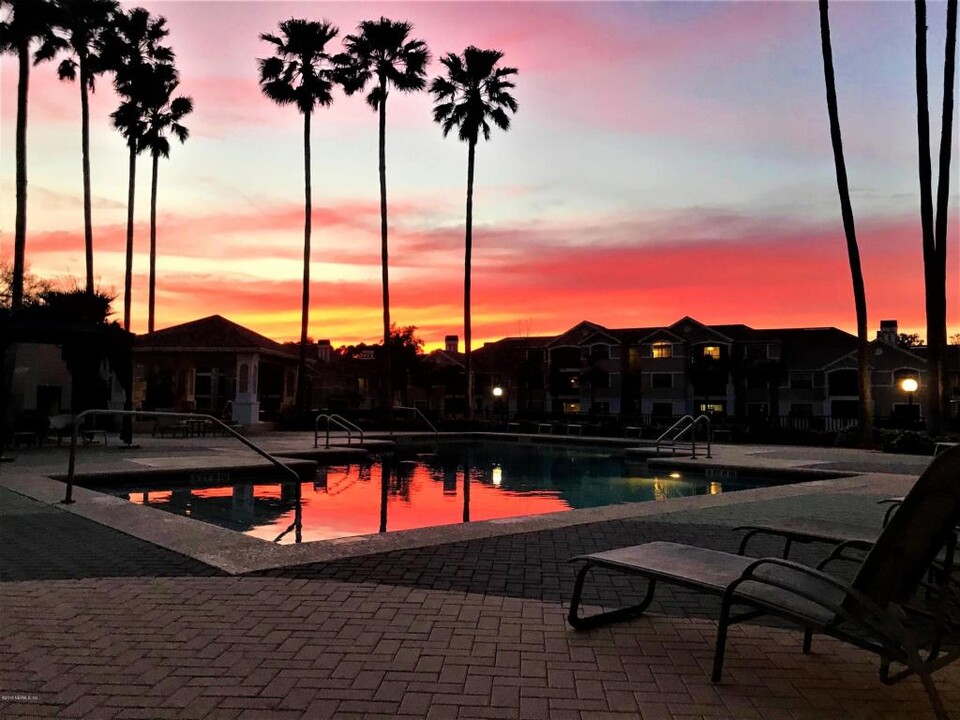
x: 210, y: 334
x: 576, y: 334
x: 693, y: 331
x: 813, y: 348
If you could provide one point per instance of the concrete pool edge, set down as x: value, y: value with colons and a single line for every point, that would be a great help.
x: 237, y: 554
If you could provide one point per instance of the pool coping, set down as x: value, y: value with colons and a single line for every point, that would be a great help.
x: 236, y: 554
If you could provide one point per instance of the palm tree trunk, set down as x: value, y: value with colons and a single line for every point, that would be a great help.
x: 384, y: 255
x: 301, y: 400
x: 936, y: 294
x: 932, y: 390
x: 85, y: 155
x: 128, y: 276
x: 20, y: 224
x: 853, y: 250
x: 466, y: 279
x: 151, y: 299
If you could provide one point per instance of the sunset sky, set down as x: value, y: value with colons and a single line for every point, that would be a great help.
x: 667, y: 159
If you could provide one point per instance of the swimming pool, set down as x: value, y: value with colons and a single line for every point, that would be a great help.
x: 449, y: 483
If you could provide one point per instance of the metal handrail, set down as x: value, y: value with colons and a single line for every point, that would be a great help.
x: 337, y: 420
x: 150, y: 413
x: 418, y: 412
x: 666, y: 433
x: 689, y: 423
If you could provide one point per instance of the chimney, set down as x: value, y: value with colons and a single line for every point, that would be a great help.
x: 452, y: 343
x: 888, y: 332
x: 323, y: 350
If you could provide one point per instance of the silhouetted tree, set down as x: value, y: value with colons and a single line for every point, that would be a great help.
x: 164, y: 118
x: 909, y: 340
x: 382, y: 49
x: 83, y: 24
x: 24, y: 23
x: 139, y: 61
x: 474, y: 93
x: 301, y: 73
x: 934, y: 230
x: 853, y: 250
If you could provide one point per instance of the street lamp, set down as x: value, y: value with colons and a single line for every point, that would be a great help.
x: 498, y: 401
x: 909, y: 386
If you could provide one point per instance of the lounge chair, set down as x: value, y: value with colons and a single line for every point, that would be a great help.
x: 882, y: 610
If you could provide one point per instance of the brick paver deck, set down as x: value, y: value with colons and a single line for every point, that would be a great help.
x: 97, y: 624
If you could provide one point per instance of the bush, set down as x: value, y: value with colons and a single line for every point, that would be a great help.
x: 908, y: 442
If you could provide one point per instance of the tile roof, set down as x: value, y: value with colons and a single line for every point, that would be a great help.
x: 213, y: 333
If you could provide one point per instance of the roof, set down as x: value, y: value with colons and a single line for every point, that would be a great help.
x: 210, y: 334
x: 812, y: 348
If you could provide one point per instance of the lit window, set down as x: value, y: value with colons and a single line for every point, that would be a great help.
x: 573, y: 407
x: 662, y: 350
x: 711, y: 351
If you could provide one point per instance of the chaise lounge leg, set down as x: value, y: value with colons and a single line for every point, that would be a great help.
x: 807, y: 640
x: 938, y: 709
x: 721, y: 645
x: 585, y: 623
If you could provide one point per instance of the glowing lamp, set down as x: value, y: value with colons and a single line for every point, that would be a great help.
x: 498, y: 392
x: 909, y: 385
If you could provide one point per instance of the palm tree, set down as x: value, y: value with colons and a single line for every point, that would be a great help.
x: 138, y: 60
x: 934, y: 231
x: 382, y: 48
x: 84, y: 23
x: 23, y: 23
x: 853, y: 250
x: 473, y: 93
x: 165, y: 114
x: 301, y: 73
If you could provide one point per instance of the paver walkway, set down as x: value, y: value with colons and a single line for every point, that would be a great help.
x: 97, y: 624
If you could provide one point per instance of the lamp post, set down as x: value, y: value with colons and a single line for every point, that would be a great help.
x: 498, y: 401
x: 909, y: 386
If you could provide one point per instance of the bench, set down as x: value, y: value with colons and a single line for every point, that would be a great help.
x: 27, y: 437
x: 544, y: 426
x: 571, y: 428
x: 632, y: 428
x: 90, y: 436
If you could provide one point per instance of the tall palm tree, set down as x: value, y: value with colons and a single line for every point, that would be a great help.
x: 934, y: 230
x: 474, y: 93
x: 301, y: 73
x: 22, y: 24
x: 138, y: 59
x: 164, y: 118
x: 383, y: 49
x: 853, y: 249
x: 84, y: 24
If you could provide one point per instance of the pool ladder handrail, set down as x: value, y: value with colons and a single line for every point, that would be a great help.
x: 416, y: 411
x: 336, y: 420
x: 686, y: 424
x: 75, y: 424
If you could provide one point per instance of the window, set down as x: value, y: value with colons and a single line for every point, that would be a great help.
x: 575, y: 382
x: 756, y: 352
x: 633, y: 360
x: 843, y: 382
x: 615, y: 352
x: 600, y: 407
x: 661, y: 380
x: 662, y: 350
x: 712, y: 351
x: 600, y: 380
x: 600, y: 352
x: 844, y: 409
x: 801, y: 381
x: 712, y: 408
x: 571, y: 407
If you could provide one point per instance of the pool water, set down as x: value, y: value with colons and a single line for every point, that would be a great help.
x: 451, y: 483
